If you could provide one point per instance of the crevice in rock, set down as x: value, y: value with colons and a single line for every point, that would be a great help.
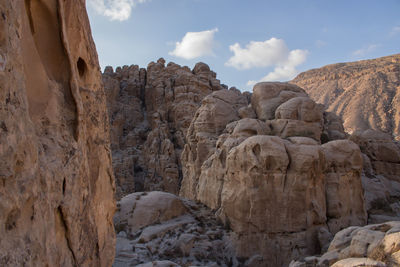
x: 287, y: 168
x: 73, y: 82
x: 65, y: 227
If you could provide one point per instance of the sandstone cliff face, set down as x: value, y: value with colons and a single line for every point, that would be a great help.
x: 150, y: 112
x: 267, y: 175
x: 345, y: 88
x: 56, y: 178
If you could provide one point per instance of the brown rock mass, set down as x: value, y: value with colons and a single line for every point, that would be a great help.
x: 269, y: 178
x: 150, y: 112
x: 345, y: 88
x: 56, y: 178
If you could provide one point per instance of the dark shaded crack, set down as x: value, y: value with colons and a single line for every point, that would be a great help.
x: 287, y: 168
x: 64, y: 223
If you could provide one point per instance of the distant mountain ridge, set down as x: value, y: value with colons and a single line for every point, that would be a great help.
x: 365, y: 94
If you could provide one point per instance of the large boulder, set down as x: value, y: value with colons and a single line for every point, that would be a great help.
x: 268, y: 177
x: 56, y: 178
x: 268, y: 96
x: 138, y: 210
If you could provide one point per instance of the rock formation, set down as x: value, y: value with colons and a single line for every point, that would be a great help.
x: 56, y: 177
x: 150, y: 111
x: 161, y: 229
x: 345, y: 88
x: 262, y: 168
x: 381, y: 177
x: 376, y: 245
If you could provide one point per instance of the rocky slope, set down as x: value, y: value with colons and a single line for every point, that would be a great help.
x: 56, y: 177
x: 161, y: 229
x: 365, y: 94
x: 267, y: 175
x: 150, y: 111
x: 376, y: 245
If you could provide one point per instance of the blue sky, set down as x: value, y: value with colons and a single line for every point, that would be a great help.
x: 244, y: 41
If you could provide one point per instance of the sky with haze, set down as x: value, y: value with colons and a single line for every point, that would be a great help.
x: 244, y: 41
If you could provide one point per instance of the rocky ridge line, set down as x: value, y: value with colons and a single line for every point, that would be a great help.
x: 365, y: 94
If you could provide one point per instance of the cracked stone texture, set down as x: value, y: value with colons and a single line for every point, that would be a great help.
x: 345, y: 88
x: 282, y: 182
x: 56, y: 179
x: 150, y: 112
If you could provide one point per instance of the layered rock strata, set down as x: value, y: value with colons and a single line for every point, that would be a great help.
x: 56, y: 178
x: 150, y: 111
x: 266, y: 174
x: 345, y: 88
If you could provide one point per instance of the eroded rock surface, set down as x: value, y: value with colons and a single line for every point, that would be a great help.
x: 381, y: 177
x: 269, y: 178
x: 56, y: 178
x: 150, y: 112
x: 345, y: 88
x: 161, y: 229
x: 375, y: 245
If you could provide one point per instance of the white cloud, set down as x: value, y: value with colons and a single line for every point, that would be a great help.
x: 395, y: 31
x: 365, y: 50
x: 195, y: 44
x: 287, y: 70
x: 258, y: 54
x: 270, y: 53
x: 115, y: 9
x: 320, y: 43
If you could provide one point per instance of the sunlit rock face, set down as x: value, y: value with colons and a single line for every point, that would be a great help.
x: 150, y: 112
x: 365, y: 94
x: 283, y: 178
x: 56, y: 179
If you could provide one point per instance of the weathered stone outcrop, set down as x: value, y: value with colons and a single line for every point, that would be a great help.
x: 150, y: 112
x: 344, y: 191
x: 161, y: 229
x: 282, y: 193
x: 381, y: 175
x: 382, y: 152
x: 216, y: 111
x: 56, y: 178
x: 365, y: 94
x: 375, y: 245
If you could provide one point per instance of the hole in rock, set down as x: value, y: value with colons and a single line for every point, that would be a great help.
x: 81, y: 65
x: 63, y: 186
